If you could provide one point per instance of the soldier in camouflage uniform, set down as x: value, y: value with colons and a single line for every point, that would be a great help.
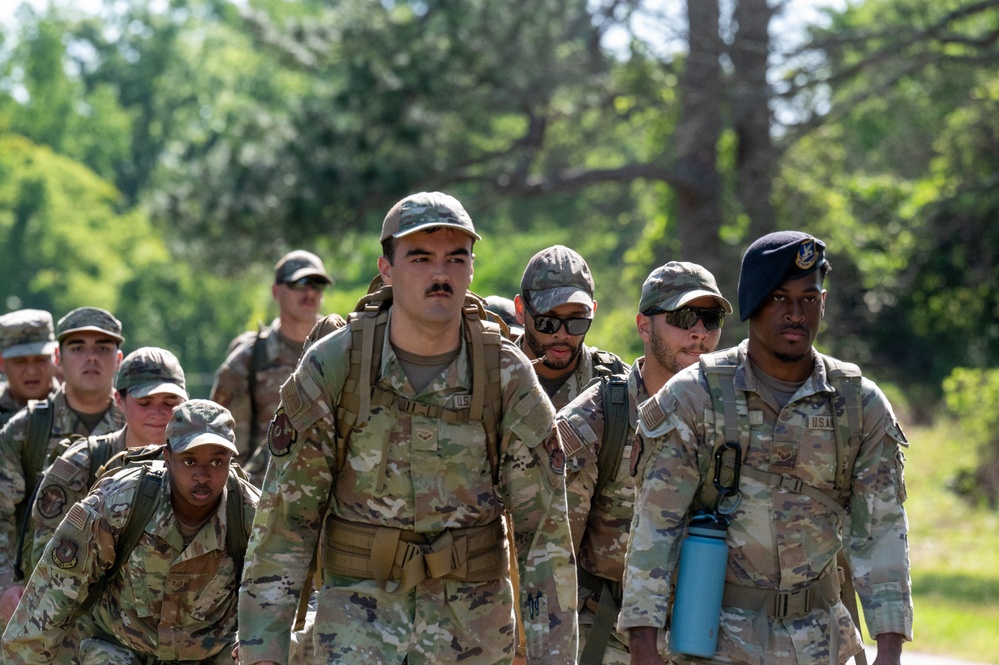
x: 414, y: 547
x: 150, y: 384
x: 556, y: 308
x: 249, y: 380
x: 27, y: 358
x: 175, y: 597
x: 681, y: 312
x: 799, y: 505
x: 89, y: 352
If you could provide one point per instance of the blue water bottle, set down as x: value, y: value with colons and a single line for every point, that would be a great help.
x: 699, y: 586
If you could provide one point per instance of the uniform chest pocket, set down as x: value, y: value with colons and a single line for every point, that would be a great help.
x: 215, y: 593
x: 804, y: 443
x: 142, y: 576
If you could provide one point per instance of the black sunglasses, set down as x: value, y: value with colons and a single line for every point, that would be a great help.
x: 687, y: 317
x: 549, y: 325
x: 307, y: 283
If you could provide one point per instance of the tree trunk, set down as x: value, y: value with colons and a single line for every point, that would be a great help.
x: 755, y: 159
x: 698, y: 190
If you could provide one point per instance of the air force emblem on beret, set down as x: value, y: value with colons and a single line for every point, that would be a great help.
x: 806, y: 254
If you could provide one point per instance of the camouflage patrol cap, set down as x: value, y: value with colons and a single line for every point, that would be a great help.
x: 506, y: 310
x: 149, y: 371
x: 556, y: 276
x: 676, y: 283
x: 92, y: 319
x: 425, y: 210
x: 297, y: 264
x: 772, y: 260
x: 26, y: 332
x: 200, y: 422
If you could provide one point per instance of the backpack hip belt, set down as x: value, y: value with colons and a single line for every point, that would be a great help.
x: 407, y: 558
x: 821, y: 592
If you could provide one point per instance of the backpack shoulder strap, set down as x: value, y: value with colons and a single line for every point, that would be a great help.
x: 40, y: 417
x: 729, y: 422
x: 616, y: 407
x: 144, y: 504
x: 607, y: 363
x: 236, y: 536
x: 848, y: 416
x: 367, y: 335
x: 100, y: 452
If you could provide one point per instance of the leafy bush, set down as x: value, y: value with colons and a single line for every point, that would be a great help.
x: 972, y: 399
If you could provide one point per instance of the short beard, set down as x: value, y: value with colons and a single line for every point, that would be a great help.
x: 539, y: 350
x: 664, y: 355
x: 791, y: 359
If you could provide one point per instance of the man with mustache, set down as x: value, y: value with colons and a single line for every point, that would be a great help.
x: 819, y: 456
x: 89, y: 352
x: 247, y: 383
x: 680, y: 315
x: 401, y: 442
x: 556, y: 308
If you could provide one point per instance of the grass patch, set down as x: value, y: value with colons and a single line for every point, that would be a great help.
x: 954, y: 552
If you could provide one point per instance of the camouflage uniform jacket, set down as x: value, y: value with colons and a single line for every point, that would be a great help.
x: 66, y: 482
x: 586, y: 369
x: 599, y: 524
x: 232, y: 390
x: 778, y: 539
x: 9, y: 405
x: 12, y: 491
x: 173, y: 602
x: 414, y: 473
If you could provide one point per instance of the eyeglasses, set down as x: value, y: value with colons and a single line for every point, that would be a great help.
x: 549, y: 325
x: 307, y: 283
x: 687, y: 317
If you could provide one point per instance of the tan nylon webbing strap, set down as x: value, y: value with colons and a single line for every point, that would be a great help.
x: 822, y: 592
x: 478, y: 361
x: 385, y: 554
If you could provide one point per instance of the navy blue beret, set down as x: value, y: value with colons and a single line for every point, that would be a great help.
x: 772, y: 260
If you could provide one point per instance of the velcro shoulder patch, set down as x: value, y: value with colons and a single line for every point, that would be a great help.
x: 653, y: 414
x: 63, y: 470
x: 572, y: 442
x: 303, y: 401
x: 535, y: 418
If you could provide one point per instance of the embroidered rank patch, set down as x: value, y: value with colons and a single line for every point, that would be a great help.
x: 556, y: 456
x: 77, y: 517
x: 51, y: 501
x: 64, y: 554
x: 820, y: 422
x: 784, y: 456
x: 282, y: 435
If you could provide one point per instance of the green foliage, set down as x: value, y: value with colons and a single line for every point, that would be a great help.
x: 972, y: 398
x: 954, y: 550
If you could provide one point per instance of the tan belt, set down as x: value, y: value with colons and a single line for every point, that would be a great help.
x: 386, y: 554
x: 823, y: 592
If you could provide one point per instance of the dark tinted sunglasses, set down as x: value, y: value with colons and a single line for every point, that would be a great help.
x: 307, y: 283
x: 687, y: 317
x: 549, y: 325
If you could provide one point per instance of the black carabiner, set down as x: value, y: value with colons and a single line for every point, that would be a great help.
x: 729, y: 496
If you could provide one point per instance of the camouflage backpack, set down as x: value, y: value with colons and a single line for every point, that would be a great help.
x: 144, y: 505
